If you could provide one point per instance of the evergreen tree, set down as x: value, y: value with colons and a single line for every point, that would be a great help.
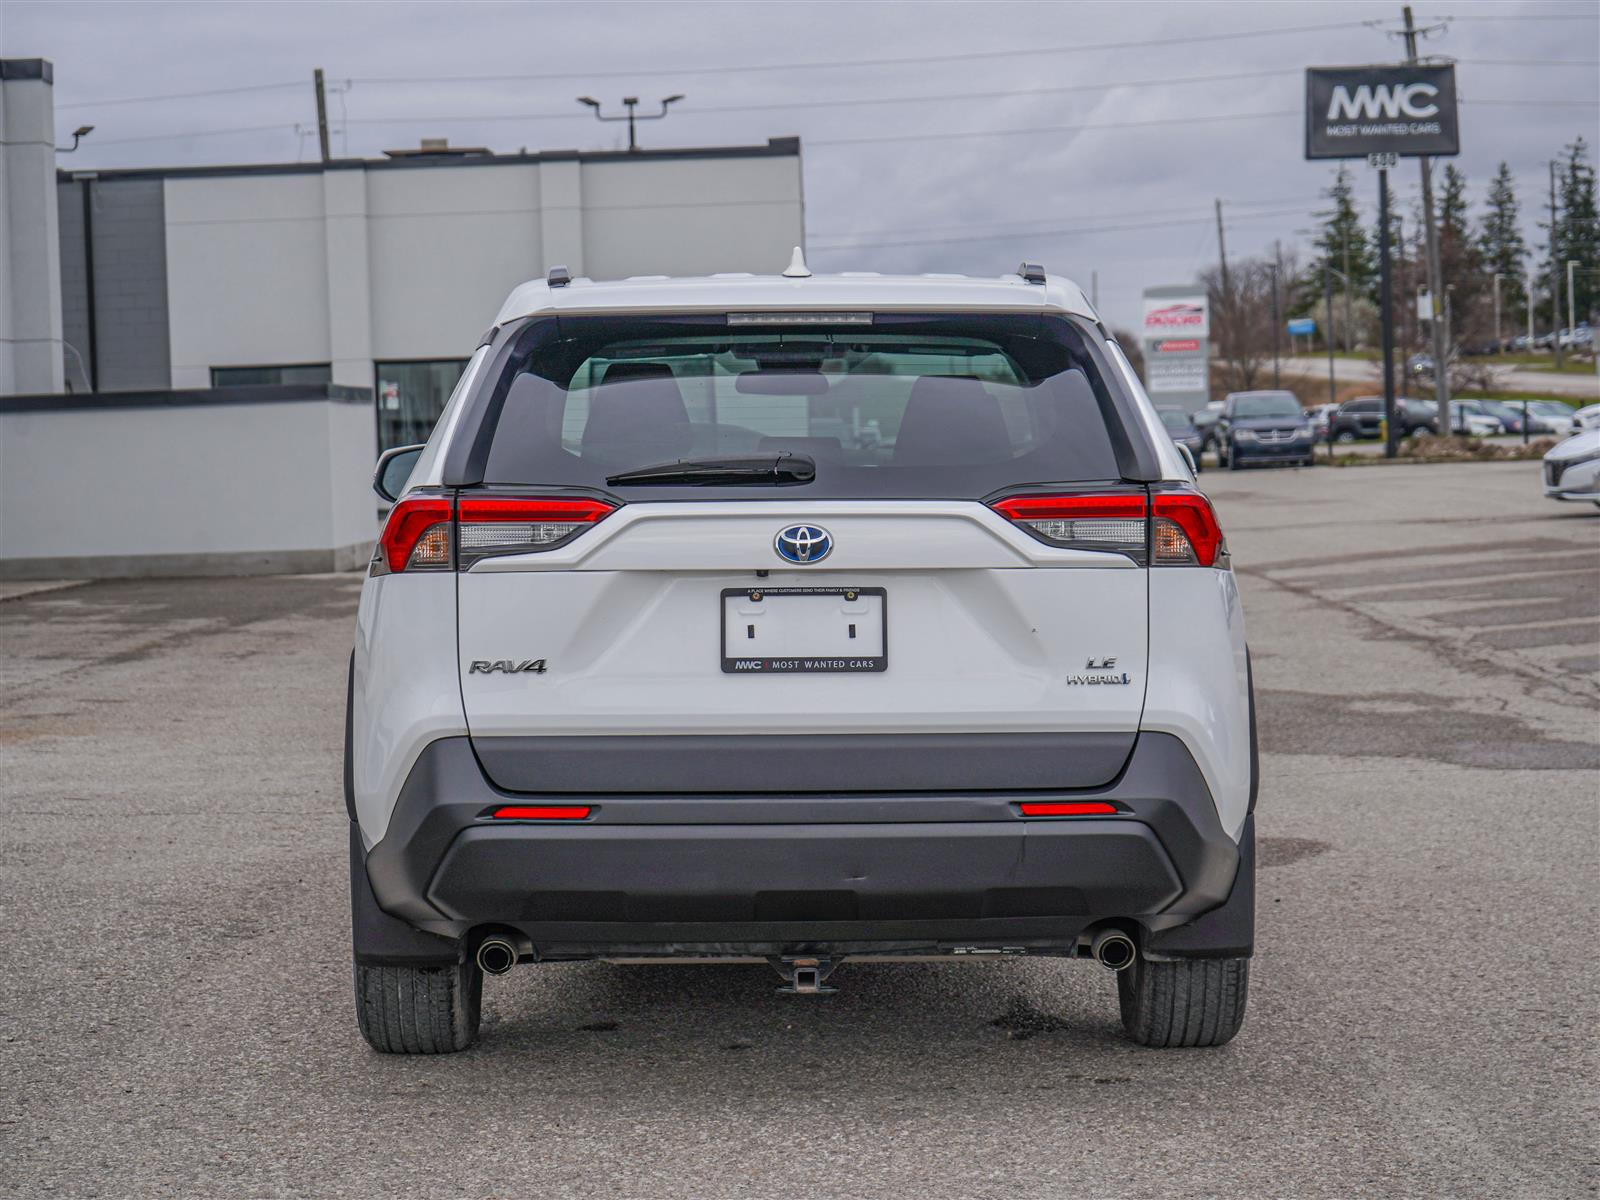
x: 1460, y: 266
x: 1576, y: 235
x: 1502, y: 249
x: 1343, y: 241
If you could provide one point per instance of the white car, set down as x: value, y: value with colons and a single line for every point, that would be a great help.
x: 660, y: 658
x: 1586, y: 418
x: 1466, y: 418
x: 1572, y: 468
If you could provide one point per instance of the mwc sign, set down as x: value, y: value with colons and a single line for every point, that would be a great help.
x: 1352, y: 112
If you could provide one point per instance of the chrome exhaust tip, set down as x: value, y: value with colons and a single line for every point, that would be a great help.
x: 496, y: 956
x: 1113, y: 950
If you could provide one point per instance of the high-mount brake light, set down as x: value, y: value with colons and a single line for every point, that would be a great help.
x: 417, y: 534
x: 1186, y: 530
x: 1097, y: 522
x: 515, y: 524
x: 541, y: 812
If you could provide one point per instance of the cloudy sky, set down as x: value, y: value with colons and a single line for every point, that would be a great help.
x: 956, y: 136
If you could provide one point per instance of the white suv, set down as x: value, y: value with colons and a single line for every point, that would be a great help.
x: 799, y: 619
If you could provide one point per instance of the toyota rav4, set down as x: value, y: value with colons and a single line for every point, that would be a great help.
x: 799, y: 619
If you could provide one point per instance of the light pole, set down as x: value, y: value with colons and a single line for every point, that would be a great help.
x: 630, y: 103
x: 1527, y: 283
x: 1499, y: 342
x: 1572, y: 313
x: 78, y: 134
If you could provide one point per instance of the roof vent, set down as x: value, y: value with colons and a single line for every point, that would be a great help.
x: 1031, y: 272
x: 797, y: 268
x: 439, y: 148
x: 558, y: 277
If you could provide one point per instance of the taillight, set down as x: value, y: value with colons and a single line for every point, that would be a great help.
x: 513, y: 525
x: 1186, y: 531
x: 1104, y: 522
x: 417, y: 534
x: 1183, y: 533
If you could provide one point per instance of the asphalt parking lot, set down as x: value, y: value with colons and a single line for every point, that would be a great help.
x: 175, y: 1010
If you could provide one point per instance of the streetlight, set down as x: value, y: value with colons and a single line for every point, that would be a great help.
x: 1572, y: 315
x: 78, y: 134
x: 630, y: 103
x: 1499, y: 342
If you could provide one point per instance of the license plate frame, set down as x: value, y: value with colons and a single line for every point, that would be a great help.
x: 864, y: 664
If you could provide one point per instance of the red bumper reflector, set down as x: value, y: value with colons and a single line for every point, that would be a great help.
x: 542, y: 812
x: 1074, y: 808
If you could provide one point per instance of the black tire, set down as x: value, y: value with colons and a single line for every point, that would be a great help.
x: 419, y: 1010
x: 1344, y: 436
x: 1191, y: 1002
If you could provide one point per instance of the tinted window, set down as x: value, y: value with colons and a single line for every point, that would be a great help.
x: 909, y: 406
x: 255, y: 376
x: 1363, y: 406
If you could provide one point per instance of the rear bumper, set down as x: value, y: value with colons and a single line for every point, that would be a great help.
x: 769, y: 874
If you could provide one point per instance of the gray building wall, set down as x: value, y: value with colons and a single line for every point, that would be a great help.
x: 130, y: 342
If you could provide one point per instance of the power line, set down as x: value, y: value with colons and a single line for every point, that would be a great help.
x: 229, y: 91
x: 1075, y: 231
x: 836, y: 64
x: 1299, y: 201
x: 978, y: 133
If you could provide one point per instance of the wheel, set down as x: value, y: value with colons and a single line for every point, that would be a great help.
x: 419, y: 1010
x: 1191, y: 1002
x: 1344, y: 435
x: 1233, y: 459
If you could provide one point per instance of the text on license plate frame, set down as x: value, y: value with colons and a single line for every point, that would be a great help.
x: 851, y: 664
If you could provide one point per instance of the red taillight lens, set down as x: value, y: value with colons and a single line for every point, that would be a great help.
x: 417, y: 534
x: 1103, y: 522
x: 1070, y: 808
x: 541, y: 812
x: 512, y: 525
x: 1186, y: 530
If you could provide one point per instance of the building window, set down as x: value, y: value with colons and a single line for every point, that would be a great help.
x: 253, y: 376
x: 411, y: 395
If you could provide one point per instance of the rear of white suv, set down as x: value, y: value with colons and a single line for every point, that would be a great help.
x: 800, y: 620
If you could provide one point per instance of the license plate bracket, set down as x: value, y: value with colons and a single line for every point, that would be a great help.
x: 805, y: 630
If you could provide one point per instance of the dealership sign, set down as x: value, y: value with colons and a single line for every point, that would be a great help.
x: 1166, y: 316
x: 1408, y: 109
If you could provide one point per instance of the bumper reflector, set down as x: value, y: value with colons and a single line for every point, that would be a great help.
x: 1071, y: 808
x: 541, y: 812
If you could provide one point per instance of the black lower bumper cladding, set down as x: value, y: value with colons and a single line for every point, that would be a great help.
x: 773, y: 874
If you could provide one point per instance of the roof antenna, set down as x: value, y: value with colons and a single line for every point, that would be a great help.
x: 797, y: 268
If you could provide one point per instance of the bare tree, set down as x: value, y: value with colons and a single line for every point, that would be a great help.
x: 1246, y: 317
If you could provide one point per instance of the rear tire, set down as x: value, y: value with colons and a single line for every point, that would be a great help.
x: 1190, y: 1002
x: 419, y: 1010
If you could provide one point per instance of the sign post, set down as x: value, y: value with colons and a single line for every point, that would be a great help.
x: 1384, y: 113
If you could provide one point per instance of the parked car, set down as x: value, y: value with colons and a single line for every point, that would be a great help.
x: 1468, y: 420
x: 1551, y: 416
x: 1180, y: 425
x: 1509, y: 415
x: 1586, y: 418
x: 1264, y: 426
x: 1205, y: 421
x: 1416, y: 416
x: 1581, y: 338
x: 623, y: 682
x: 1318, y: 415
x: 1572, y: 468
x: 1357, y: 419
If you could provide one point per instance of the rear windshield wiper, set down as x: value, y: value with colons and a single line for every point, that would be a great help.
x: 779, y: 470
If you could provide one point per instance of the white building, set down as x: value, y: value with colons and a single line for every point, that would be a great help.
x: 167, y: 288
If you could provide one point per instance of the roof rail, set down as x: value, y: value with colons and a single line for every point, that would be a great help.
x: 558, y: 277
x: 1031, y: 272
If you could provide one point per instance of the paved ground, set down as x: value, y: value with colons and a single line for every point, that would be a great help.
x: 175, y: 1013
x: 1584, y: 388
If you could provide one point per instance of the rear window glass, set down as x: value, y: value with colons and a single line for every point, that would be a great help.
x: 912, y: 407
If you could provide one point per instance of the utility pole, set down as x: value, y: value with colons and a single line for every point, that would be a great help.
x: 1499, y: 342
x: 1277, y: 311
x: 1572, y: 303
x: 1555, y: 275
x: 1386, y: 316
x: 1527, y: 283
x: 322, y: 113
x: 1441, y: 351
x: 1228, y: 343
x: 1349, y: 318
x: 1327, y: 287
